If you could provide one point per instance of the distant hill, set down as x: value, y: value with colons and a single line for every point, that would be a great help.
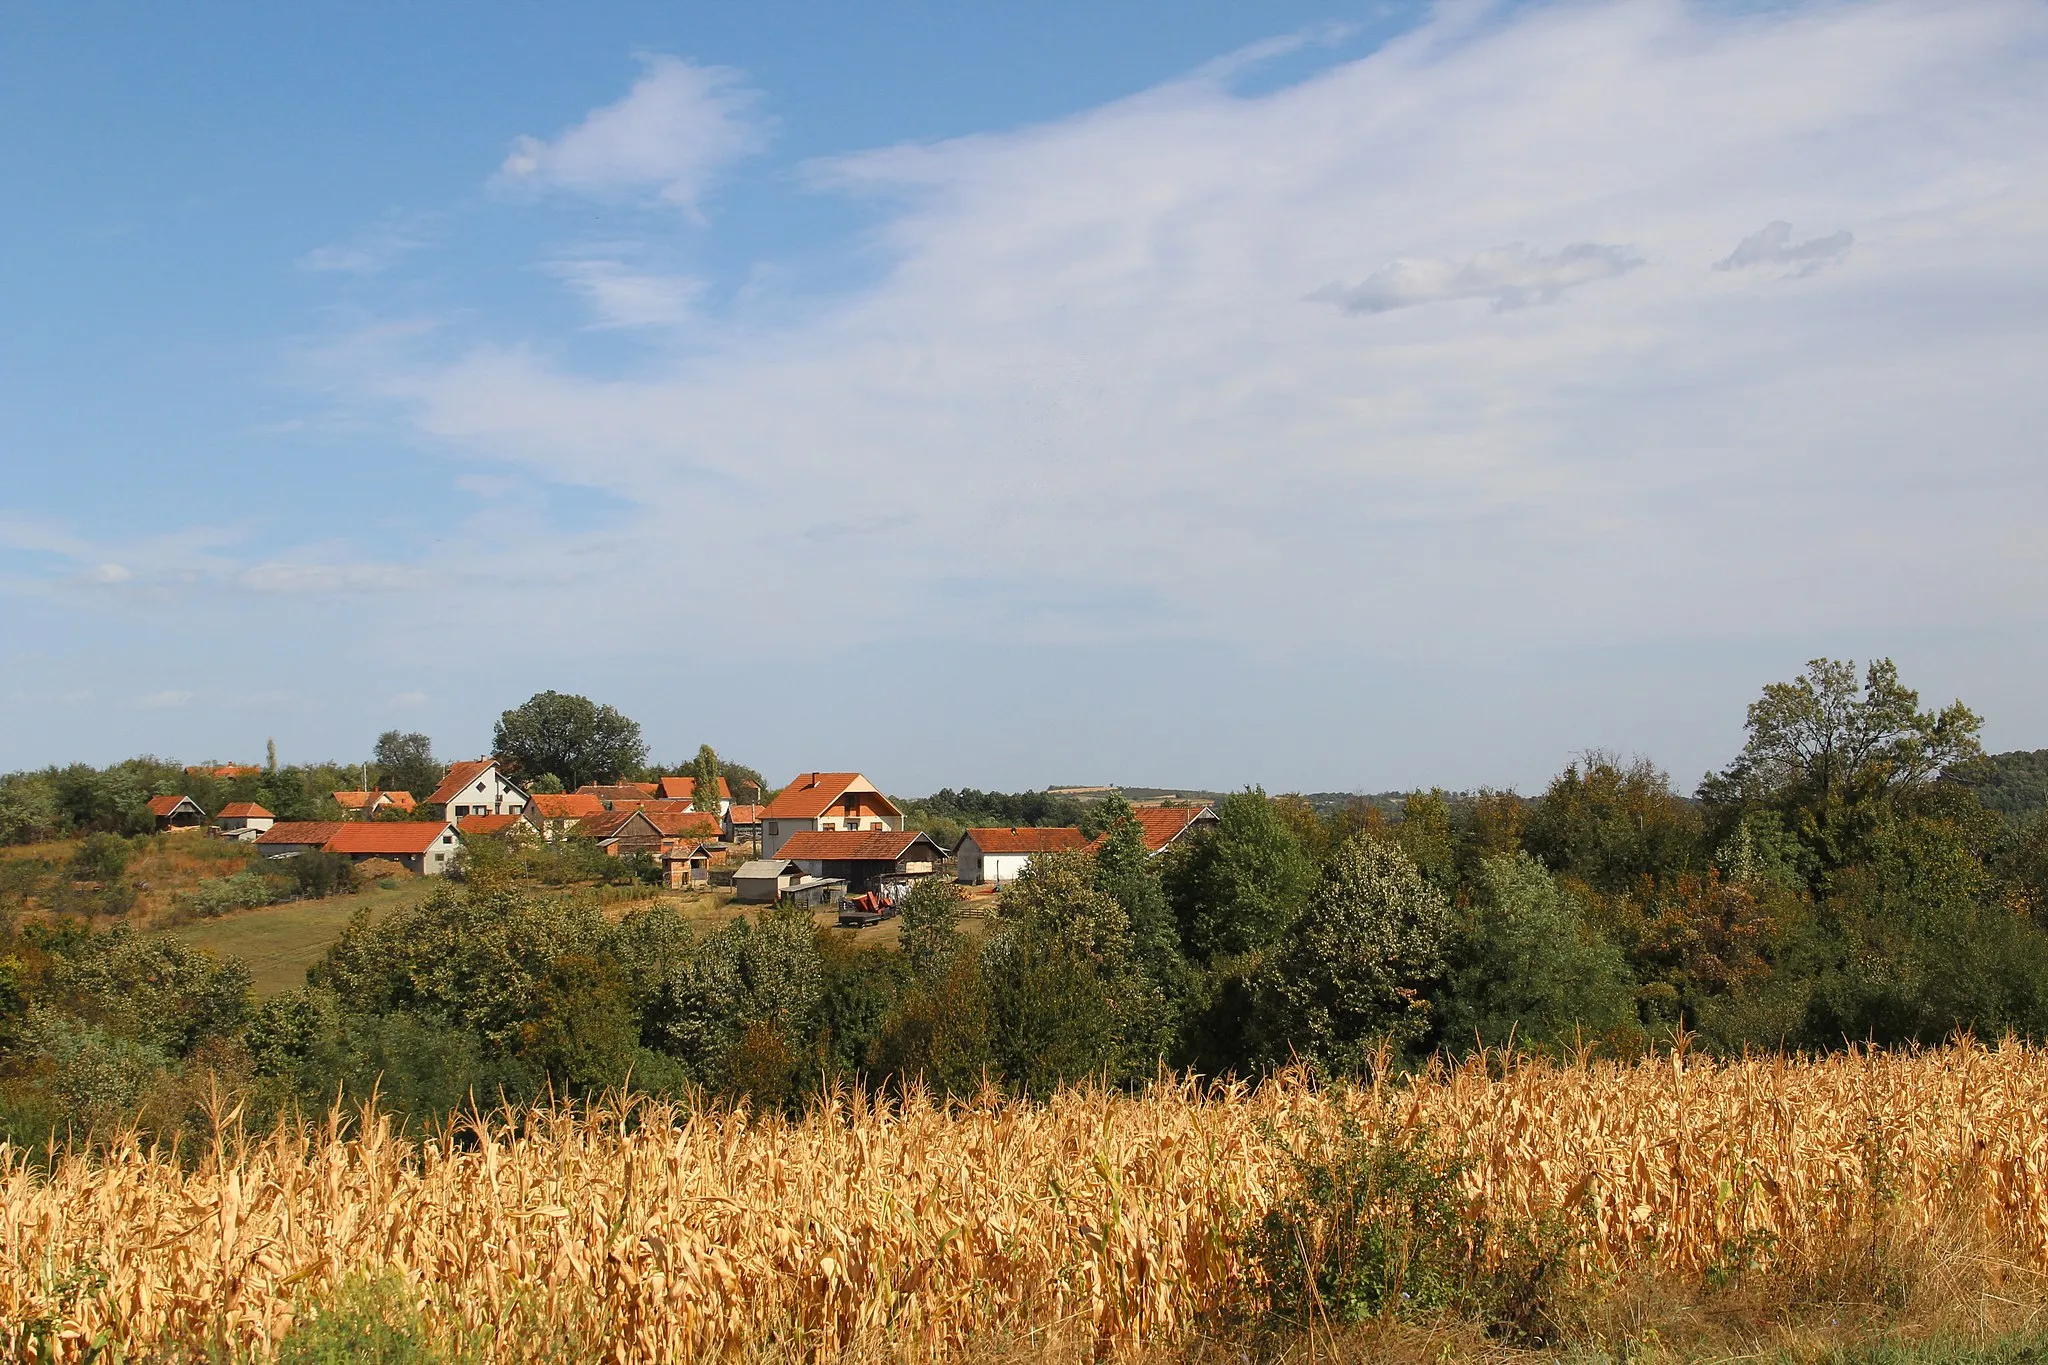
x: 2015, y: 783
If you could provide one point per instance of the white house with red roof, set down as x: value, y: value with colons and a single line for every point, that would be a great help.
x: 1000, y: 855
x: 478, y: 787
x: 683, y: 787
x: 243, y: 819
x: 555, y: 814
x: 825, y: 801
x: 427, y: 847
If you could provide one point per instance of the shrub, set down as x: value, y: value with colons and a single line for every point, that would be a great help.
x: 220, y: 895
x: 366, y: 1322
x: 100, y: 858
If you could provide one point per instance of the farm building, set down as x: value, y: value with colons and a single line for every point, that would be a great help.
x: 363, y: 805
x: 622, y: 833
x: 1001, y: 855
x: 612, y: 793
x: 826, y: 801
x: 174, y: 813
x: 687, y: 864
x: 743, y: 824
x: 1162, y: 826
x: 244, y: 819
x: 865, y: 858
x: 507, y: 826
x: 477, y: 787
x: 286, y: 837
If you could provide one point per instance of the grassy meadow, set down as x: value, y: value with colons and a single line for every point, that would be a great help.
x: 1667, y: 1209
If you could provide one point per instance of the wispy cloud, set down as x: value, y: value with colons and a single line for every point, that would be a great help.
x: 376, y: 248
x: 1773, y: 245
x: 164, y: 701
x: 1509, y: 276
x: 679, y: 126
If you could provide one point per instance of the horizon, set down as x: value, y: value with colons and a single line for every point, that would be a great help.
x: 1332, y: 398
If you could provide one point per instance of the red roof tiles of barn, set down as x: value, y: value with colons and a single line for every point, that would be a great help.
x: 164, y: 805
x: 746, y: 815
x: 388, y: 837
x: 1045, y: 839
x: 459, y: 779
x: 681, y: 824
x: 1161, y: 825
x: 300, y: 832
x: 487, y: 824
x: 850, y: 845
x: 244, y: 810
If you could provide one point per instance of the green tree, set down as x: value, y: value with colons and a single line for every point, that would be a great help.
x: 100, y: 858
x: 1612, y: 824
x: 931, y: 926
x: 705, y: 773
x: 1354, y: 972
x: 1525, y: 965
x: 406, y: 762
x: 1428, y: 835
x: 1829, y: 751
x: 570, y: 736
x: 1238, y: 888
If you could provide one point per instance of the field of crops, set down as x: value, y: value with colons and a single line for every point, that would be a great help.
x: 1115, y: 1221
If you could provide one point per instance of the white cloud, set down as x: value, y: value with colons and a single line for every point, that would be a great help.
x: 620, y: 296
x: 1510, y: 276
x: 1773, y: 245
x: 111, y: 573
x: 679, y: 126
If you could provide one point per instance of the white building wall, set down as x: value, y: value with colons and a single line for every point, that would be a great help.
x: 489, y: 793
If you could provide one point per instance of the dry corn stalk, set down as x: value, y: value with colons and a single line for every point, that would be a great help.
x: 918, y: 1230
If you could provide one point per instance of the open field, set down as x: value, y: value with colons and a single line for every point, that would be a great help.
x: 279, y: 942
x: 1754, y: 1207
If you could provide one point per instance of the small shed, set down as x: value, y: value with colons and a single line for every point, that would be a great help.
x: 762, y: 881
x: 812, y: 892
x: 176, y: 813
x: 685, y: 865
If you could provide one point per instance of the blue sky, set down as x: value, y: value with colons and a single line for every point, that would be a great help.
x: 1319, y: 395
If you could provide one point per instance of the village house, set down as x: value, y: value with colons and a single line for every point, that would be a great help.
x: 175, y: 814
x: 684, y: 788
x: 680, y: 825
x: 363, y: 805
x: 477, y: 787
x: 996, y: 856
x: 287, y: 837
x: 243, y: 819
x: 510, y: 826
x: 555, y: 813
x: 825, y: 801
x: 423, y: 846
x: 865, y: 858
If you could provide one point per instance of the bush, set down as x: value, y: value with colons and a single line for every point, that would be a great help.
x: 101, y: 858
x: 366, y: 1322
x: 1373, y: 1231
x: 221, y: 895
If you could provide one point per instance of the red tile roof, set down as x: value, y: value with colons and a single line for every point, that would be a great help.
x: 745, y: 815
x: 388, y: 837
x: 618, y: 791
x: 243, y: 810
x: 1044, y: 839
x: 853, y: 845
x: 460, y: 777
x: 685, y: 788
x: 564, y: 805
x: 487, y: 824
x: 164, y: 805
x: 1161, y: 825
x: 812, y: 794
x: 607, y: 823
x: 374, y: 800
x: 679, y: 824
x: 300, y: 832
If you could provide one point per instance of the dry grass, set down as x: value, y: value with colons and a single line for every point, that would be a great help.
x: 1813, y: 1194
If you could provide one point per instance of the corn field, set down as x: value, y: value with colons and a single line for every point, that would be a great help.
x: 644, y: 1233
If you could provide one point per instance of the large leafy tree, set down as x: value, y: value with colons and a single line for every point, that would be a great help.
x: 572, y: 737
x: 1239, y: 888
x: 1830, y: 751
x: 406, y: 762
x: 1354, y: 972
x: 1611, y: 824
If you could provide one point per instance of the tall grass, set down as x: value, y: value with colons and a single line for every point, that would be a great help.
x: 1109, y: 1223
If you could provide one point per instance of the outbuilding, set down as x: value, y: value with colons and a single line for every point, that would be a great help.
x: 243, y: 819
x: 1000, y: 855
x: 174, y: 813
x: 865, y: 858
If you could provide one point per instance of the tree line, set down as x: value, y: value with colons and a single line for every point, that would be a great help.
x: 1841, y: 880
